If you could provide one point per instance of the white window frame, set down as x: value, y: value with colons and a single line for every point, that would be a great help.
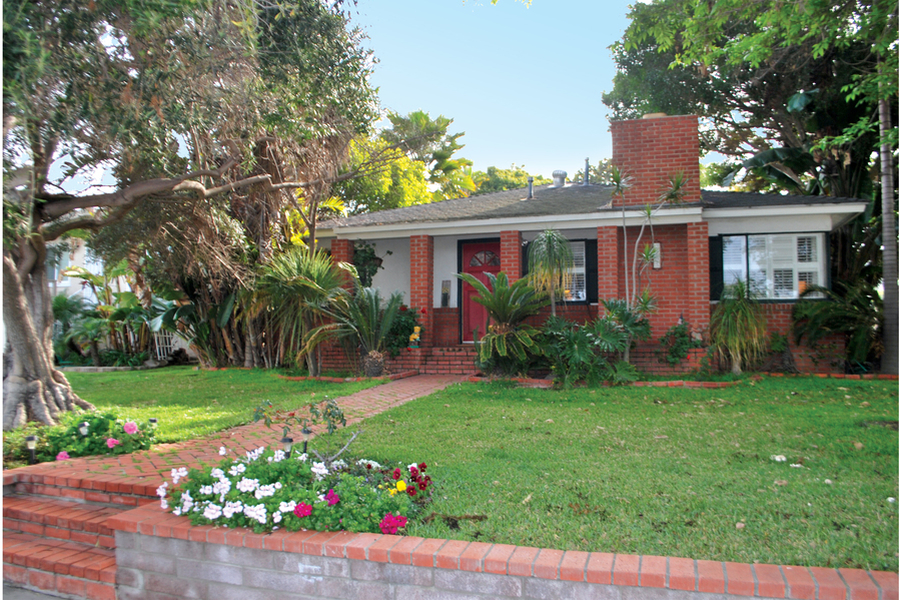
x: 577, y: 291
x: 775, y: 265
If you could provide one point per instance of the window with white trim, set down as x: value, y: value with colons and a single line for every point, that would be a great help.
x: 775, y: 267
x: 577, y: 290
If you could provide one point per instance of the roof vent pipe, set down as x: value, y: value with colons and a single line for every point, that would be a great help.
x: 587, y: 172
x: 530, y: 188
x: 559, y: 178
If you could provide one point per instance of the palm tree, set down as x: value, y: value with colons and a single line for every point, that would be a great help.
x: 296, y: 288
x: 549, y: 263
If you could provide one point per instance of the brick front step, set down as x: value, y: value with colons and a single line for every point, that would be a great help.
x: 59, y: 567
x: 60, y: 519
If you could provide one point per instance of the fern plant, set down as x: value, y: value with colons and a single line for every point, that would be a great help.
x: 508, y: 340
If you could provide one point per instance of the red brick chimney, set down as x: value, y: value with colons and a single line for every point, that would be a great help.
x: 653, y: 148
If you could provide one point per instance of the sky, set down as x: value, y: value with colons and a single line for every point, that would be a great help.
x: 523, y: 82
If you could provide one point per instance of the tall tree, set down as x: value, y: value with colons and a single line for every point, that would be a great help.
x: 426, y: 140
x: 214, y: 113
x: 498, y: 180
x: 702, y: 35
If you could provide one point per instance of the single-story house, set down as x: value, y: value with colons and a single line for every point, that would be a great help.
x: 777, y: 243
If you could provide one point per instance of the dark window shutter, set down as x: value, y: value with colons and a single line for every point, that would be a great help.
x: 590, y: 267
x: 716, y: 268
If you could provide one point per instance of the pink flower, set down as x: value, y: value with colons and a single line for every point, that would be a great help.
x: 303, y: 510
x: 112, y: 442
x: 332, y: 498
x: 62, y: 455
x: 131, y: 428
x: 390, y: 524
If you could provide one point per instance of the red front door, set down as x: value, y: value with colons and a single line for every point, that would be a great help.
x: 478, y: 259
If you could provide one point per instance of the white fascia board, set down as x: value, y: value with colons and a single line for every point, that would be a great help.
x: 837, y: 214
x: 633, y: 218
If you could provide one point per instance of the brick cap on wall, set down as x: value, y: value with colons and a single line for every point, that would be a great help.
x: 681, y: 574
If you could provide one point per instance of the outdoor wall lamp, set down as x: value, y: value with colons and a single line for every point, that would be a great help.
x: 31, y: 444
x: 83, y: 428
x: 307, y: 432
x: 287, y: 443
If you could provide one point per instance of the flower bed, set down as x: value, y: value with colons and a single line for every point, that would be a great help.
x: 267, y: 490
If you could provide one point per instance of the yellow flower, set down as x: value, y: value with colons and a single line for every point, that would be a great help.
x: 401, y: 486
x: 392, y: 491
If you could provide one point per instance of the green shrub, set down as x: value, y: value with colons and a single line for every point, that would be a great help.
x: 405, y: 322
x: 102, y: 427
x: 677, y: 342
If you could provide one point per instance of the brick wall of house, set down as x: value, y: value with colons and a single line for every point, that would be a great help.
x: 342, y: 251
x: 827, y: 356
x: 651, y: 150
x: 421, y: 283
x: 446, y: 327
x: 511, y: 254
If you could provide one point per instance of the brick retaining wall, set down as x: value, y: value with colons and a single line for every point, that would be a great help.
x: 159, y: 555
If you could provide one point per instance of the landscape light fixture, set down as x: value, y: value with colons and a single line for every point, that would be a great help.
x: 31, y: 444
x: 287, y: 443
x: 83, y: 428
x: 153, y: 422
x: 306, y: 433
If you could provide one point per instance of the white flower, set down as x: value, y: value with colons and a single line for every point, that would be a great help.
x: 368, y: 463
x: 319, y: 470
x: 231, y: 508
x: 255, y: 454
x: 257, y: 513
x: 276, y: 517
x: 217, y: 474
x: 161, y: 491
x: 413, y: 466
x: 263, y: 491
x: 892, y: 500
x: 237, y: 469
x: 287, y: 507
x: 247, y: 485
x: 277, y: 485
x: 221, y: 487
x: 778, y: 458
x: 163, y: 504
x: 279, y: 456
x: 176, y: 511
x: 796, y: 466
x: 178, y: 474
x: 206, y: 490
x: 222, y: 451
x: 828, y: 481
x: 339, y: 464
x: 302, y: 457
x: 212, y: 511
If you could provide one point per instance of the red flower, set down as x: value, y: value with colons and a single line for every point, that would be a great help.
x: 424, y: 311
x: 411, y: 490
x: 303, y: 510
x: 423, y: 486
x: 403, y: 308
x: 397, y: 474
x: 422, y: 466
x: 414, y: 472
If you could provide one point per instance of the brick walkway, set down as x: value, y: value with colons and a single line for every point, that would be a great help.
x: 139, y: 473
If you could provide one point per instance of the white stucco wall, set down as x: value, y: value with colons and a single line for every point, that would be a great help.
x: 394, y: 277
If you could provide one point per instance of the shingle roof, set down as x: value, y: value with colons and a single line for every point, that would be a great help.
x: 569, y: 200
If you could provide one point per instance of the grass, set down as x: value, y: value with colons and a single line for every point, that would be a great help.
x: 660, y: 471
x: 191, y: 404
x: 188, y: 403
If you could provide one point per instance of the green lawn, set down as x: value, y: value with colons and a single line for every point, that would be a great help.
x: 661, y: 471
x: 192, y: 404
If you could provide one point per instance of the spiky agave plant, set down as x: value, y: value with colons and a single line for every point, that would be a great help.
x: 737, y: 327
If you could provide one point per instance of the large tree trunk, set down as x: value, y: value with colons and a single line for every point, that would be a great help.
x: 32, y: 388
x: 891, y: 356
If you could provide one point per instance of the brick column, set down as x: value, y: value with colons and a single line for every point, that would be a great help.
x: 609, y: 263
x: 421, y: 284
x: 698, y: 274
x: 342, y: 251
x: 511, y: 254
